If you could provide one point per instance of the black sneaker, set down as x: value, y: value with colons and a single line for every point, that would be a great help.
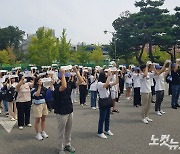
x: 174, y: 107
x: 115, y: 111
x: 7, y: 114
x: 69, y: 148
x: 177, y: 105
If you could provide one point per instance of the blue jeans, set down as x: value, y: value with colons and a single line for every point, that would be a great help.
x: 175, y: 95
x: 104, y: 116
x: 5, y: 103
x: 93, y: 98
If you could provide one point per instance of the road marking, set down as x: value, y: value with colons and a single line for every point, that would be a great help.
x: 7, y: 124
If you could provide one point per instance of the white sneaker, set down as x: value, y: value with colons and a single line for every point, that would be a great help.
x: 21, y: 127
x: 148, y: 119
x: 159, y: 113
x: 85, y: 104
x: 93, y: 108
x: 29, y: 125
x: 128, y: 98
x: 102, y: 136
x: 39, y: 137
x: 62, y: 152
x: 162, y: 112
x: 145, y: 121
x: 97, y: 107
x: 82, y: 105
x: 12, y: 119
x: 109, y: 133
x: 44, y: 135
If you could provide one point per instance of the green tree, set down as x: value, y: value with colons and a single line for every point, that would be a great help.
x: 64, y: 48
x: 151, y: 21
x: 43, y: 49
x: 97, y: 55
x: 4, y: 57
x: 10, y: 37
x: 7, y: 56
x: 83, y: 57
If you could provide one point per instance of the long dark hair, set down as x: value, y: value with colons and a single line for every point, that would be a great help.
x: 36, y: 82
x: 102, y: 77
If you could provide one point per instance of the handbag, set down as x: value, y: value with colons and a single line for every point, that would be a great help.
x: 105, y: 103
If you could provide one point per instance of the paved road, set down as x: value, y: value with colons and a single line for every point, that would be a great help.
x: 131, y: 136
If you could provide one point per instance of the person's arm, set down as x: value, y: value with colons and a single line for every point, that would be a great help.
x: 10, y: 84
x: 20, y: 83
x: 169, y: 69
x: 146, y: 71
x: 107, y: 80
x: 63, y: 81
x: 80, y: 79
x: 162, y: 69
x: 177, y: 65
x: 52, y: 85
x: 37, y: 93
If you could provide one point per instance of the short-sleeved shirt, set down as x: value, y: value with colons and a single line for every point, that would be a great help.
x: 175, y: 77
x: 93, y: 82
x: 136, y: 80
x: 145, y: 83
x: 62, y: 99
x: 160, y: 85
x: 24, y: 93
x: 103, y: 92
x: 41, y: 98
x: 128, y: 77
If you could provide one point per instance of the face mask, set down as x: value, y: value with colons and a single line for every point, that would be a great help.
x: 25, y: 80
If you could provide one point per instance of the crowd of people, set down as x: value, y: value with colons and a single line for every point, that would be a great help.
x: 54, y: 89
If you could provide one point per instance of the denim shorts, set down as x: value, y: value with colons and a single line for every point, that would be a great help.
x: 128, y: 85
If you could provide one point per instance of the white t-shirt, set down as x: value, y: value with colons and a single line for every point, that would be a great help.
x: 93, y: 86
x: 145, y: 83
x: 152, y: 82
x: 13, y: 85
x: 115, y: 87
x: 128, y: 77
x: 136, y: 80
x: 1, y: 82
x: 160, y: 85
x: 103, y: 92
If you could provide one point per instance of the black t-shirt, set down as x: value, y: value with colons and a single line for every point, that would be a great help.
x: 62, y: 100
x: 175, y: 77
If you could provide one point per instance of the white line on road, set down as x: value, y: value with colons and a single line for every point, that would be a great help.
x: 7, y: 124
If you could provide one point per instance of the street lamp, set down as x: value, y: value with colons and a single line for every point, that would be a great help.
x: 114, y: 38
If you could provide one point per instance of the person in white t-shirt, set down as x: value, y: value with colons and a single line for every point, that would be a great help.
x: 104, y: 92
x: 145, y: 89
x: 136, y: 85
x: 93, y: 88
x: 159, y: 77
x: 2, y: 79
x: 128, y: 81
x: 11, y: 98
x: 114, y: 92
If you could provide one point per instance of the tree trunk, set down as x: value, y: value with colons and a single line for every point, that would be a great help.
x: 172, y: 57
x: 150, y: 52
x: 174, y: 50
x: 139, y: 57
